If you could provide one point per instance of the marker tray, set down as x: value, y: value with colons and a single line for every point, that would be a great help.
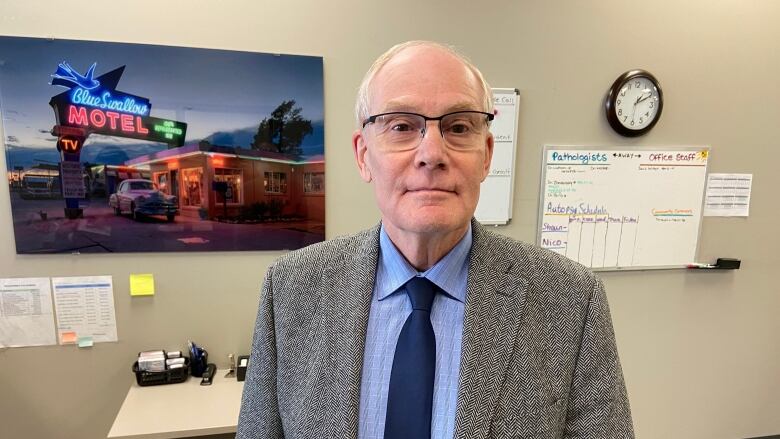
x: 168, y: 376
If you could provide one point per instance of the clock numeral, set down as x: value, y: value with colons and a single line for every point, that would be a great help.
x: 624, y: 118
x: 652, y: 104
x: 636, y: 84
x: 620, y: 112
x: 632, y: 122
x: 647, y: 114
x: 619, y: 101
x: 641, y: 121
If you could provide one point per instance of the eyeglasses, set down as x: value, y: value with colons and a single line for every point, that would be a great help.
x: 402, y: 131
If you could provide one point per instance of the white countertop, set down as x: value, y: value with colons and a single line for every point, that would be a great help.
x: 179, y: 410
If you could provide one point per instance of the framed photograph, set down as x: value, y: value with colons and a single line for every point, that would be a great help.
x: 114, y: 147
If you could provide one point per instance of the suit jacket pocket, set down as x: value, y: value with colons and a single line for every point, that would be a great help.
x: 545, y: 424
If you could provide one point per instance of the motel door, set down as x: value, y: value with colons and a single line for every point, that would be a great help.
x: 175, y: 185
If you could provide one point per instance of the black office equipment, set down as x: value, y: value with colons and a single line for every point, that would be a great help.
x: 208, y: 375
x: 728, y: 264
x: 167, y: 376
x: 243, y: 363
x: 198, y: 359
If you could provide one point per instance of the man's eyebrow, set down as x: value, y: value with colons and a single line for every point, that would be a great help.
x: 464, y: 106
x: 392, y: 106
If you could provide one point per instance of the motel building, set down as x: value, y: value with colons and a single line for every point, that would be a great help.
x: 252, y: 176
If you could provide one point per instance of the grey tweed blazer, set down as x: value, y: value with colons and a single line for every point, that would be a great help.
x: 538, y: 356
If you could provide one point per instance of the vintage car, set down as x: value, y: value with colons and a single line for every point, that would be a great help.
x: 141, y: 197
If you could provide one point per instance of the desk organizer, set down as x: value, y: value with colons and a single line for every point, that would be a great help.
x: 168, y: 376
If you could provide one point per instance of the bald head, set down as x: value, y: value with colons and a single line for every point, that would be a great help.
x: 406, y: 56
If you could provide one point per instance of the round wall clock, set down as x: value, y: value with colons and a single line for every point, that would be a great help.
x: 634, y: 103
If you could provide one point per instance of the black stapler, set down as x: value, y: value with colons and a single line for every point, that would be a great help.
x: 208, y: 374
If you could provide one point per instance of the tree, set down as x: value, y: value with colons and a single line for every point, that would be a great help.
x: 283, y: 131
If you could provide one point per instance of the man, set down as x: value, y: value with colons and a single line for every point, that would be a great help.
x: 428, y: 325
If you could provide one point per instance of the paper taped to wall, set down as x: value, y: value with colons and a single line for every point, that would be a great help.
x: 728, y: 195
x: 85, y: 307
x: 26, y: 314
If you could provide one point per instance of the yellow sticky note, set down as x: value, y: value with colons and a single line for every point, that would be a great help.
x: 68, y: 337
x: 142, y: 285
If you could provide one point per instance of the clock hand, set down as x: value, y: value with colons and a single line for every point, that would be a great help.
x: 644, y: 96
x: 633, y: 111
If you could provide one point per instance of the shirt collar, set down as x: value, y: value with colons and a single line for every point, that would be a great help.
x: 449, y: 274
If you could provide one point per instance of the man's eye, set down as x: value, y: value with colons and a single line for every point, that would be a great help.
x: 459, y: 128
x: 400, y: 126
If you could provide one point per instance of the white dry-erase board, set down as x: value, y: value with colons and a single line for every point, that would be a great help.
x: 612, y: 208
x: 495, y: 196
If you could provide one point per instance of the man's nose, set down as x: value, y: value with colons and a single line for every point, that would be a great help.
x: 432, y: 150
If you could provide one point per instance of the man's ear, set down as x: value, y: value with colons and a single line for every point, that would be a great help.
x: 488, y: 156
x: 359, y: 149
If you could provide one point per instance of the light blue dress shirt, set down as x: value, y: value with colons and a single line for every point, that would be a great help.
x: 390, y: 306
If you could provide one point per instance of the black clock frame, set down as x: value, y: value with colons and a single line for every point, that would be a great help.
x: 609, y: 103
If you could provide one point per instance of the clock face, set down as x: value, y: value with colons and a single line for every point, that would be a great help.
x: 637, y: 103
x: 634, y: 103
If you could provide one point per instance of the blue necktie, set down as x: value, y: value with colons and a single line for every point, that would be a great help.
x: 410, y: 396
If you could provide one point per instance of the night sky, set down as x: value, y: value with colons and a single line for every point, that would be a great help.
x: 211, y: 90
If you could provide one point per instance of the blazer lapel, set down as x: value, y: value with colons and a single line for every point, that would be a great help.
x: 494, y: 303
x: 350, y: 281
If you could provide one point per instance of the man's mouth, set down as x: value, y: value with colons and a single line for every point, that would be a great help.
x: 430, y: 190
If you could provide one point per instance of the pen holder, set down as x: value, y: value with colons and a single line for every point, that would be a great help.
x: 198, y: 364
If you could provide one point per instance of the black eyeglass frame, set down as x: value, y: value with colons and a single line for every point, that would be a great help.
x: 372, y: 119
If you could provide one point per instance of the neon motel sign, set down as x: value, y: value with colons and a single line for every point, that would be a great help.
x: 101, y: 121
x: 106, y: 101
x: 95, y: 105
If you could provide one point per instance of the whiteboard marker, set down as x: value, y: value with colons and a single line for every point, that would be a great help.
x: 697, y: 265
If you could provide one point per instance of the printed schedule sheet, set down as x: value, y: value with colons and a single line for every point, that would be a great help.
x: 26, y: 314
x: 85, y: 308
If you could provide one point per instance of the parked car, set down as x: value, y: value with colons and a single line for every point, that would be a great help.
x: 142, y: 197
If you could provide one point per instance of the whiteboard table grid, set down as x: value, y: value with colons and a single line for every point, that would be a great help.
x: 613, y: 208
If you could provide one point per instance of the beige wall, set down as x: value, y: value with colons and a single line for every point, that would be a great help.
x: 701, y: 350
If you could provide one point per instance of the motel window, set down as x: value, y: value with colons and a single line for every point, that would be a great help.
x: 275, y: 182
x: 314, y: 182
x: 161, y: 178
x: 192, y: 187
x: 233, y: 179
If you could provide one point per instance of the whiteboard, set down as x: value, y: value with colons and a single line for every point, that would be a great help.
x: 495, y: 199
x: 622, y: 208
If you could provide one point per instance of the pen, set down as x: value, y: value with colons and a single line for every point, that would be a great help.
x: 193, y: 351
x: 697, y: 265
